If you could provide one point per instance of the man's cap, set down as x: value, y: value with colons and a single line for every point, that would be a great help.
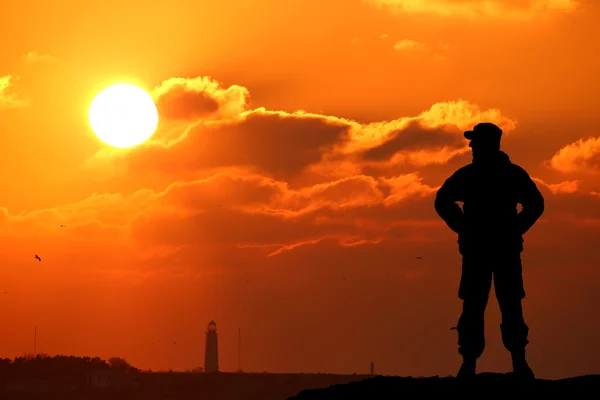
x: 486, y: 131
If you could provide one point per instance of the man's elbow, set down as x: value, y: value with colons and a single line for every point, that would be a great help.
x: 535, y: 209
x: 439, y: 204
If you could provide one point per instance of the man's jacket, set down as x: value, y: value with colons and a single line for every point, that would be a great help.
x: 490, y: 190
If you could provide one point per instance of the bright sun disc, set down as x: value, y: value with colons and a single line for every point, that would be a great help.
x: 123, y: 115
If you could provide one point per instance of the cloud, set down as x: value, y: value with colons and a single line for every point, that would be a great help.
x: 212, y: 218
x: 234, y: 218
x: 280, y: 142
x: 34, y: 57
x: 416, y: 138
x: 582, y: 156
x: 464, y: 115
x: 514, y: 9
x: 413, y: 47
x: 296, y: 147
x: 565, y: 187
x: 410, y: 45
x: 8, y: 97
x: 202, y: 97
x: 227, y: 204
x: 406, y: 186
x: 433, y: 137
x: 236, y: 215
x: 250, y: 184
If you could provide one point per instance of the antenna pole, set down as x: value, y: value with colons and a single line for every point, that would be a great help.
x: 240, y: 349
x: 35, y: 342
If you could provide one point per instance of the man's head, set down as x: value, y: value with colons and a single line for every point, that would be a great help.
x: 484, y: 138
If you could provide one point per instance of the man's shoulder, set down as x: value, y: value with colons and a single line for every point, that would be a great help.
x: 464, y: 170
x: 518, y: 170
x: 471, y: 169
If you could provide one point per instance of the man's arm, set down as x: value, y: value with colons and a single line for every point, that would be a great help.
x: 531, y: 200
x: 445, y: 203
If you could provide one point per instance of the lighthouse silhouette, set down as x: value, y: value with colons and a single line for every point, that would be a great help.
x: 211, y: 353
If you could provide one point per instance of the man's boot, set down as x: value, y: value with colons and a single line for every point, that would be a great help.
x: 467, y: 369
x: 521, y: 369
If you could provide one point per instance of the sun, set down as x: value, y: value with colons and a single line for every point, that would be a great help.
x: 123, y: 115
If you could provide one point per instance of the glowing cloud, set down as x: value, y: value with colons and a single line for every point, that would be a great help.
x: 526, y: 9
x: 580, y: 156
x: 8, y: 99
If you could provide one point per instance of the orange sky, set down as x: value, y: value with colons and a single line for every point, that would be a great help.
x: 245, y: 211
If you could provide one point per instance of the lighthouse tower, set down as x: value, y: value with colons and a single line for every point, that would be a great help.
x: 211, y: 353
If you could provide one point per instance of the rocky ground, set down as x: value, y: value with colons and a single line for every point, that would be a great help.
x: 485, y: 384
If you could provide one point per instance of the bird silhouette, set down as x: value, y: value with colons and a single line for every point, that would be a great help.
x: 454, y: 328
x: 174, y: 342
x: 62, y: 226
x: 38, y: 257
x: 419, y: 258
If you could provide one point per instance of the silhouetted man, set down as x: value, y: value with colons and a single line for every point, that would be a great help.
x: 490, y: 239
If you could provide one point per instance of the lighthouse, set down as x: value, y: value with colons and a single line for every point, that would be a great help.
x: 211, y: 353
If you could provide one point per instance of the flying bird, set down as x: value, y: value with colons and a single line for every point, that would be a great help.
x: 38, y: 257
x: 419, y: 258
x: 62, y: 226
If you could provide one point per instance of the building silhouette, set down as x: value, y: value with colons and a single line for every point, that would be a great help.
x: 211, y: 352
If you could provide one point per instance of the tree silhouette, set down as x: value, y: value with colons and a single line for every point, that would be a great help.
x: 119, y: 363
x: 43, y: 365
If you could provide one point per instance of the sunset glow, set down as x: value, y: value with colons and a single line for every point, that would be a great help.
x: 203, y: 193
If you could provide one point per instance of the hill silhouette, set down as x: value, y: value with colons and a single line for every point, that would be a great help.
x: 80, y: 378
x: 70, y: 377
x: 388, y: 387
x: 46, y: 366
